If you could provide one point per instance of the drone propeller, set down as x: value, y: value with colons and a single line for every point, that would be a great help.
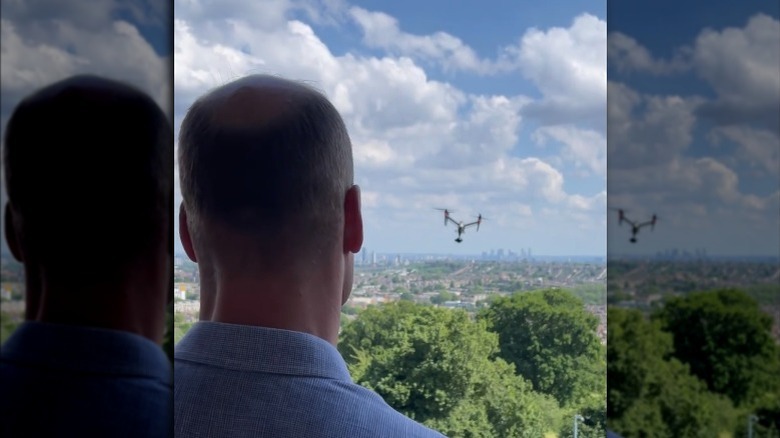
x: 446, y: 214
x: 621, y: 212
x: 480, y: 218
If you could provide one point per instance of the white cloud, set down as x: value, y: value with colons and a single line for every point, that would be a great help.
x: 89, y: 15
x: 397, y: 117
x: 684, y: 182
x: 743, y: 66
x: 710, y: 189
x: 265, y: 15
x: 382, y: 31
x: 630, y: 56
x: 647, y: 130
x: 117, y: 50
x: 569, y: 67
x: 758, y: 148
x: 418, y: 143
x: 583, y: 147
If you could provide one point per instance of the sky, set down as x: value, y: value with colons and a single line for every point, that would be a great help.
x: 498, y: 110
x: 43, y: 41
x: 693, y: 126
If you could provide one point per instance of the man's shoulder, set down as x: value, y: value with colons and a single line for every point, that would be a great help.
x: 379, y: 415
x: 52, y: 349
x: 87, y: 393
x: 283, y: 405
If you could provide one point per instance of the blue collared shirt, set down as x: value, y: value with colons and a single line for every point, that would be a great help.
x: 63, y: 380
x: 242, y: 381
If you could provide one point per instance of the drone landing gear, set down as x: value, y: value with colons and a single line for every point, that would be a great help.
x: 459, y: 240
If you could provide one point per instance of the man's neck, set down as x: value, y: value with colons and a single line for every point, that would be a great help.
x: 134, y: 303
x: 308, y: 302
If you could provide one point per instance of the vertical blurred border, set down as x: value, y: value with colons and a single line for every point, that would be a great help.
x: 47, y: 40
x: 693, y: 165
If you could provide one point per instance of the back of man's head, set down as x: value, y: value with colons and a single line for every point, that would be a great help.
x: 88, y: 166
x: 269, y: 159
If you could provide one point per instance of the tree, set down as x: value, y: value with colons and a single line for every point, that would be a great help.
x: 8, y: 325
x: 551, y: 339
x: 726, y: 340
x: 593, y: 423
x: 349, y: 309
x: 434, y: 365
x: 400, y: 290
x: 443, y: 297
x: 651, y: 396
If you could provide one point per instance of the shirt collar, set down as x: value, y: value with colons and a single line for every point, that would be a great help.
x: 261, y: 349
x: 86, y: 349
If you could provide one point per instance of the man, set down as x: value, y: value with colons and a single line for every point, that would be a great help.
x: 272, y: 217
x: 88, y: 166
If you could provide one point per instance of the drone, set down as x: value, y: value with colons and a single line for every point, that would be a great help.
x: 635, y: 227
x: 461, y: 226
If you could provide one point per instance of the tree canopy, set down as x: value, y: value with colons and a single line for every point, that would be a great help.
x: 435, y: 365
x: 551, y: 339
x: 726, y: 340
x: 652, y: 394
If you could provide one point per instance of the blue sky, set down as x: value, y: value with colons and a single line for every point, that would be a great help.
x: 694, y: 119
x: 47, y: 40
x: 496, y: 109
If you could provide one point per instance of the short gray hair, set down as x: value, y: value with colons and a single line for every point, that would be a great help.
x: 289, y: 171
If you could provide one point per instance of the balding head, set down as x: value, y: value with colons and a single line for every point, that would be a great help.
x: 269, y: 159
x: 87, y: 166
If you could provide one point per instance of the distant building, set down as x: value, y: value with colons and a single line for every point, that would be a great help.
x: 458, y: 305
x: 180, y: 292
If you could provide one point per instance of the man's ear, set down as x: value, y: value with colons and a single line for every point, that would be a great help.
x: 184, y: 234
x: 353, y: 221
x: 11, y: 234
